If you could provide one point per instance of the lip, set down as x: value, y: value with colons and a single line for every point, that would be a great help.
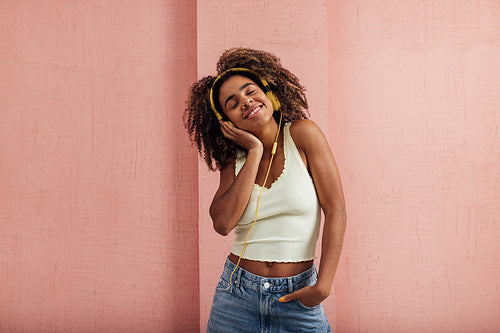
x: 252, y: 109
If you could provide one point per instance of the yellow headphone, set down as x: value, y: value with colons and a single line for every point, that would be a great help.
x: 272, y: 97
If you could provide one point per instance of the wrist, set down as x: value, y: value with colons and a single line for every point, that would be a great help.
x: 323, y: 290
x: 258, y: 150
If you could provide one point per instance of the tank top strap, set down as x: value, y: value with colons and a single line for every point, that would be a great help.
x: 291, y: 151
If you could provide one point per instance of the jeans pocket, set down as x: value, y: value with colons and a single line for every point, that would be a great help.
x: 223, y: 286
x: 300, y: 304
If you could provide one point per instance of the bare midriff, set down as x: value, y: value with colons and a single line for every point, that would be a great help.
x: 270, y: 268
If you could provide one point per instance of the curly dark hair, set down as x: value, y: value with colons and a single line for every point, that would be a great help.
x: 200, y: 121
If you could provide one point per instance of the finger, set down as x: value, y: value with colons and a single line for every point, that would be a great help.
x: 222, y: 125
x: 289, y: 297
x: 232, y: 133
x: 229, y: 128
x: 226, y: 131
x: 226, y: 127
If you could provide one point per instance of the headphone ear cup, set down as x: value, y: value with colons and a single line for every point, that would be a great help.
x: 274, y: 100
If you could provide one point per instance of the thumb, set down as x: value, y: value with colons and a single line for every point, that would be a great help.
x: 289, y: 297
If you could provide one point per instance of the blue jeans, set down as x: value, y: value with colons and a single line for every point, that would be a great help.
x: 251, y: 304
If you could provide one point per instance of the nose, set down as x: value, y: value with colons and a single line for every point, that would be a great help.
x: 247, y: 102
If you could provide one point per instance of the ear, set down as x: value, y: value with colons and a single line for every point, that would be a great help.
x: 274, y: 100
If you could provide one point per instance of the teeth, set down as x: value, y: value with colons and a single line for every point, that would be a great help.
x: 254, y: 111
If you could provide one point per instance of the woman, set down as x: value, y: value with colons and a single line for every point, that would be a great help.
x: 276, y: 174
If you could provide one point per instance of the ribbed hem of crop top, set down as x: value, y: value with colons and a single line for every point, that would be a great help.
x: 287, y: 228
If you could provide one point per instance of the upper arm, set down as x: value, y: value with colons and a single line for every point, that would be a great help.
x: 312, y: 143
x: 226, y: 178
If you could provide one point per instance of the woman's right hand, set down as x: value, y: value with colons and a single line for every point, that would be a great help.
x: 241, y: 137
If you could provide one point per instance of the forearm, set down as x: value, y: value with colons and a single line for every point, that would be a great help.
x: 228, y: 206
x: 333, y: 235
x: 331, y: 248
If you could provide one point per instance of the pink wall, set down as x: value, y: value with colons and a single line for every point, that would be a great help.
x: 414, y: 97
x: 98, y: 184
x: 103, y: 204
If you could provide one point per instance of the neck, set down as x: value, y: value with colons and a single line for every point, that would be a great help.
x: 268, y: 135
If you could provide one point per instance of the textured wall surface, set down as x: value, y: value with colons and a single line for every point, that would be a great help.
x: 101, y: 195
x: 415, y: 119
x: 98, y: 184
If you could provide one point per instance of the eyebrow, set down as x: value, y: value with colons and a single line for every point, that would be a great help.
x: 242, y: 87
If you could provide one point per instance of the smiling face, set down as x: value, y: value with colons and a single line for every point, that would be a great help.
x: 245, y: 103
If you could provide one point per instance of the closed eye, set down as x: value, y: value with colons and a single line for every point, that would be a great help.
x: 251, y: 92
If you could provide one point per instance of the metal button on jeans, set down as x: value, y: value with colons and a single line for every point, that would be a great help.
x: 266, y: 285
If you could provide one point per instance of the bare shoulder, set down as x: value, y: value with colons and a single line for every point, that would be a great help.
x: 305, y: 133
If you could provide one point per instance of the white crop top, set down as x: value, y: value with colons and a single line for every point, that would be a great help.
x: 287, y: 227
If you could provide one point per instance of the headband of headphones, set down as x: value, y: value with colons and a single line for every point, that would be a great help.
x: 274, y: 100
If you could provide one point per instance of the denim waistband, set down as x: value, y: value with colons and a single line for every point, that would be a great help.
x: 269, y: 284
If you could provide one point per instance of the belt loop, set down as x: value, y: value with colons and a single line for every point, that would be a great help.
x: 290, y: 285
x: 238, y: 277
